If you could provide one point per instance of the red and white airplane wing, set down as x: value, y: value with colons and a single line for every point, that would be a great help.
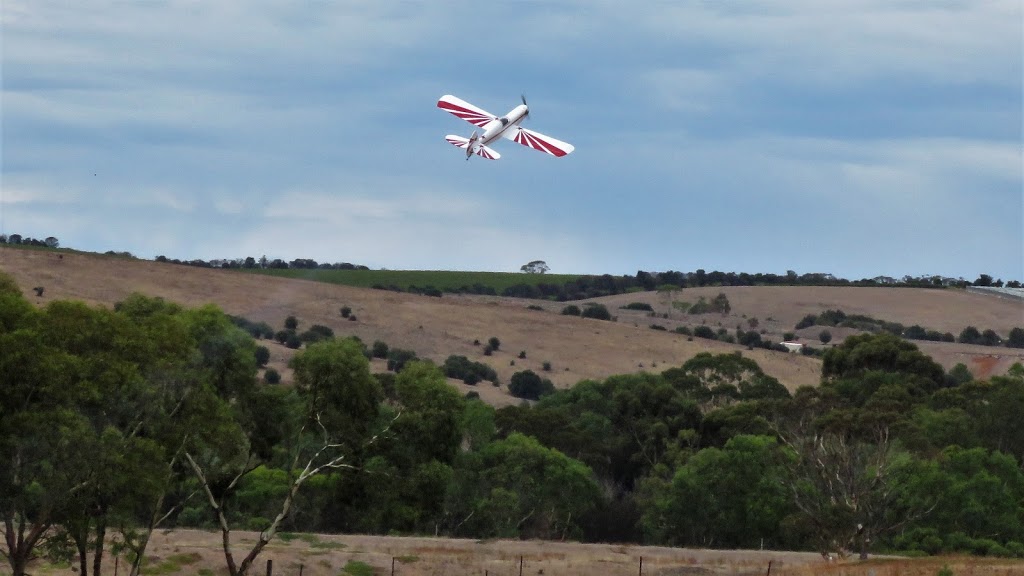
x: 481, y: 151
x: 465, y: 110
x: 539, y: 141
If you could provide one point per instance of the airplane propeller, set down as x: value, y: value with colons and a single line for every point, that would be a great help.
x: 523, y: 98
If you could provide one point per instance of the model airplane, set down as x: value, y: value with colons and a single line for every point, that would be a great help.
x: 494, y: 127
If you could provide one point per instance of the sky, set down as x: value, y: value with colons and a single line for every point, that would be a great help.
x: 852, y: 137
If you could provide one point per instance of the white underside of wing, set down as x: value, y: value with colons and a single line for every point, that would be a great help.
x: 465, y: 110
x: 539, y: 141
x: 481, y: 151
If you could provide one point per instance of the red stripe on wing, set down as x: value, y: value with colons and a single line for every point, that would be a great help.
x: 471, y: 116
x: 528, y: 139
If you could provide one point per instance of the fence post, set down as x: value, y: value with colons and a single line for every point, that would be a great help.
x: 301, y: 566
x: 520, y: 566
x: 270, y: 567
x: 641, y: 573
x: 392, y: 566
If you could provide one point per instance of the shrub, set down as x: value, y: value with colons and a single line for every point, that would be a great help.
x: 488, y: 350
x: 596, y: 311
x: 789, y: 336
x: 271, y: 376
x: 397, y: 358
x: 534, y: 307
x: 345, y: 311
x: 683, y: 330
x: 571, y: 310
x: 528, y: 385
x: 262, y: 355
x: 825, y: 336
x: 807, y: 322
x: 470, y: 379
x: 546, y: 366
x: 704, y: 332
x: 380, y: 349
x: 522, y: 354
x: 472, y: 395
x: 658, y: 327
x: 638, y: 306
x: 291, y: 323
x: 352, y: 318
x: 494, y: 343
x: 281, y: 336
x: 293, y: 341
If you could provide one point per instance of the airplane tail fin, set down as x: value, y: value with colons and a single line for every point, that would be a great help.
x: 481, y: 151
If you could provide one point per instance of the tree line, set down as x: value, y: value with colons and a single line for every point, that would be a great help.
x: 585, y: 286
x: 117, y: 422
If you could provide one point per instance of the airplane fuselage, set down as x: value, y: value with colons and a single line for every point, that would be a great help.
x: 495, y: 128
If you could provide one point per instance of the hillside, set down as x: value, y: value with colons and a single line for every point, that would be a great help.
x: 576, y: 348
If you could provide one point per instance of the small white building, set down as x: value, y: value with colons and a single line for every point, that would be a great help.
x: 793, y: 346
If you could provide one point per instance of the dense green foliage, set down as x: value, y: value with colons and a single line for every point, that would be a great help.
x: 110, y: 419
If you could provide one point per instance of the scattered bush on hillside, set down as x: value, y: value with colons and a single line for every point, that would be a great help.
x: 546, y: 366
x: 534, y: 307
x: 380, y: 349
x: 352, y: 318
x: 494, y: 343
x: 461, y: 368
x: 704, y: 332
x: 345, y: 311
x: 529, y: 385
x: 806, y: 322
x: 684, y: 330
x: 293, y: 341
x: 825, y: 336
x: 488, y: 350
x: 262, y: 355
x: 1016, y: 339
x: 522, y: 354
x: 281, y: 336
x: 990, y: 338
x: 789, y: 336
x: 658, y: 327
x: 638, y: 306
x: 291, y: 323
x: 398, y: 358
x: 316, y: 333
x: 596, y: 311
x: 571, y: 310
x: 271, y: 376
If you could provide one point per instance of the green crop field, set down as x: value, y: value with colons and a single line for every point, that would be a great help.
x: 444, y: 280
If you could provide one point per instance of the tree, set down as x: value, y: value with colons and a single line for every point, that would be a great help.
x: 52, y: 242
x: 1016, y: 339
x: 883, y: 352
x: 825, y: 336
x: 262, y: 355
x: 969, y: 335
x: 291, y: 323
x: 595, y: 310
x: 337, y: 404
x: 535, y: 267
x: 571, y: 310
x: 494, y: 343
x: 527, y: 384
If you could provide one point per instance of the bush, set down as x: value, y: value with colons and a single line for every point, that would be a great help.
x: 488, y: 350
x: 262, y: 355
x: 571, y: 310
x: 638, y: 306
x: 380, y: 349
x: 271, y: 376
x: 534, y: 307
x: 293, y: 341
x: 281, y: 336
x: 528, y: 385
x: 291, y: 323
x: 522, y: 354
x: 596, y: 311
x: 397, y: 359
x: 345, y: 311
x: 494, y: 343
x: 807, y: 322
x: 683, y: 330
x: 657, y: 327
x: 825, y: 336
x: 460, y: 367
x: 704, y: 332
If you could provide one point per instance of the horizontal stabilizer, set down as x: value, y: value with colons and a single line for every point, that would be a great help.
x: 481, y: 151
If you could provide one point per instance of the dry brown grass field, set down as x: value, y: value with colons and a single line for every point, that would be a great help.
x: 199, y: 552
x: 576, y: 348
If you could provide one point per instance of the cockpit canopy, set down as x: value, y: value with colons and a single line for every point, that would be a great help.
x: 504, y: 120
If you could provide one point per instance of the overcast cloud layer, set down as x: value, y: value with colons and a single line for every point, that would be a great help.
x: 854, y: 137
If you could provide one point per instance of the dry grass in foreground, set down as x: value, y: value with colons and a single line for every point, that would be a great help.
x: 199, y: 552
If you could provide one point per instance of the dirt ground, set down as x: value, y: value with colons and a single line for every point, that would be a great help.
x: 199, y: 552
x: 576, y: 348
